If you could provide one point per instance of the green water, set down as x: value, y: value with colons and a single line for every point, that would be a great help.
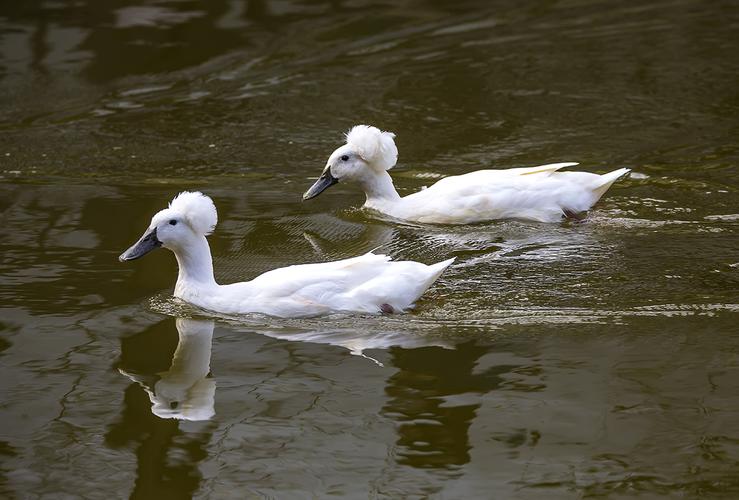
x: 592, y: 359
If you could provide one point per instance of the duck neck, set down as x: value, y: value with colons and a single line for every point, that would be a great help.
x: 379, y: 188
x: 191, y: 360
x: 195, y: 263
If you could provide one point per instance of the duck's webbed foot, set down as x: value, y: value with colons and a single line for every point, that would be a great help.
x: 572, y: 214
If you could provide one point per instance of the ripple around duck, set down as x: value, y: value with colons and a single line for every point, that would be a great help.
x: 507, y: 272
x: 430, y: 324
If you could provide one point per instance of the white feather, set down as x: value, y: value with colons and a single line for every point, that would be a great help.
x: 198, y: 209
x: 374, y: 146
x: 540, y: 194
x: 368, y: 283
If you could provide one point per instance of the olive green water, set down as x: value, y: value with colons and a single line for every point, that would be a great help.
x: 592, y: 359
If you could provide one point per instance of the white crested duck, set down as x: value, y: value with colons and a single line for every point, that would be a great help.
x: 370, y: 283
x: 542, y: 194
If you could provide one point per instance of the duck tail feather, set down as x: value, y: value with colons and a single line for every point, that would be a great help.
x: 606, y: 180
x: 440, y: 267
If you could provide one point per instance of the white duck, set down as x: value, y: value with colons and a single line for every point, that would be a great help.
x: 538, y: 193
x: 369, y: 283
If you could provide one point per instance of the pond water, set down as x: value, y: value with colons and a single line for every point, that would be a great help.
x: 583, y: 359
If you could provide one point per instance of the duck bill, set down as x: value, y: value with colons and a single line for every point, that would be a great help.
x: 146, y: 244
x: 325, y: 181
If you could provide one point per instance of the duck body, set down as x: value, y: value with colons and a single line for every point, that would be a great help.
x: 370, y: 283
x: 542, y: 193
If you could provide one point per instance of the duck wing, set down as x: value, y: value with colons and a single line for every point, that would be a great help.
x: 369, y: 283
x: 486, y: 177
x: 552, y: 167
x: 536, y: 193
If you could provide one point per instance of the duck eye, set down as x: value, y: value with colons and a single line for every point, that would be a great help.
x: 173, y: 222
x: 345, y: 158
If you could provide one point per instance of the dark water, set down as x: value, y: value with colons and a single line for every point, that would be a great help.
x: 594, y: 359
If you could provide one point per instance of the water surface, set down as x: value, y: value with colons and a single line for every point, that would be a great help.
x: 591, y: 359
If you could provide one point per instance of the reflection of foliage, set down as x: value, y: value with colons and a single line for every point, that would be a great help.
x: 126, y: 38
x: 66, y: 226
x: 433, y: 432
x: 157, y: 442
x: 6, y: 450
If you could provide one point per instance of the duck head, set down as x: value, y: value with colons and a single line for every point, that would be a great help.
x: 368, y: 152
x: 190, y: 216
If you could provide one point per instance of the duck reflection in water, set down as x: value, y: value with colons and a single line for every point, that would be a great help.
x: 173, y: 369
x: 358, y: 339
x: 185, y: 391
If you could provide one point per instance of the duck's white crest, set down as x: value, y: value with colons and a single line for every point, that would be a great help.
x: 198, y: 209
x: 374, y: 146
